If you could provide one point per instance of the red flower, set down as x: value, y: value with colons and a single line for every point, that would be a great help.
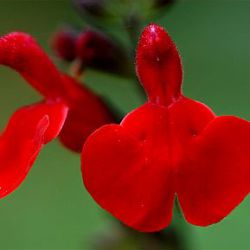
x: 33, y: 126
x: 171, y: 146
x: 86, y: 110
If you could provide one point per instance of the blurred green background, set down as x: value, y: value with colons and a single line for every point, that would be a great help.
x: 51, y: 209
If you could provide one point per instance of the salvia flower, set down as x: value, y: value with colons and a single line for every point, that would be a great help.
x: 86, y: 110
x: 68, y: 107
x: 171, y: 146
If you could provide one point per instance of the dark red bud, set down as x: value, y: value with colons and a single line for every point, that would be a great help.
x: 91, y: 44
x: 63, y: 43
x: 95, y: 50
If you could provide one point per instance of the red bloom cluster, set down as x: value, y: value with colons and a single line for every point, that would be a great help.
x: 69, y: 107
x: 171, y: 146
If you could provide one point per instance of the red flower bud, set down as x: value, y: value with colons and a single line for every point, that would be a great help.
x: 95, y: 50
x: 171, y: 146
x: 64, y: 43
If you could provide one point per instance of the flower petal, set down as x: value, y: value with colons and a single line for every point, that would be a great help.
x: 214, y: 177
x: 159, y: 65
x: 20, y: 52
x: 130, y: 170
x: 87, y: 112
x: 126, y: 169
x: 28, y: 129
